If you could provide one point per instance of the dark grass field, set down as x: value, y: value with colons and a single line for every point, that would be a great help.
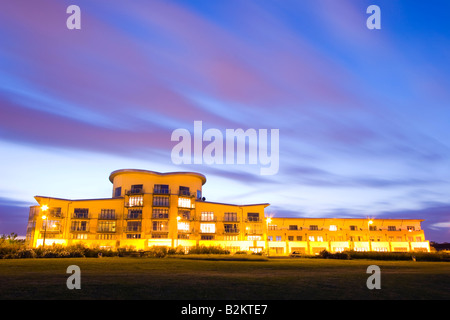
x: 183, y: 279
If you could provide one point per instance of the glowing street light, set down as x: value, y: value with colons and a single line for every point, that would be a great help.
x: 369, y: 223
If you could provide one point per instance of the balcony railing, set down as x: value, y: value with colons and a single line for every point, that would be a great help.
x: 133, y: 216
x: 161, y: 191
x: 231, y: 230
x: 253, y: 219
x: 133, y: 229
x: 81, y: 216
x: 232, y: 220
x: 208, y: 219
x: 134, y: 191
x: 107, y: 217
x: 186, y: 193
x: 79, y: 229
x: 106, y: 230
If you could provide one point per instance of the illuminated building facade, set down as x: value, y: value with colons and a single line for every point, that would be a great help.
x: 167, y: 209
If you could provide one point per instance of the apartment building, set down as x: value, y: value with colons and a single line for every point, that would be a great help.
x: 149, y: 208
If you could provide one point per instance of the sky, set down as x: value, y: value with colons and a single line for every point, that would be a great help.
x: 362, y: 114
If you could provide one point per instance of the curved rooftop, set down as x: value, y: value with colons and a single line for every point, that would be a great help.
x: 154, y: 173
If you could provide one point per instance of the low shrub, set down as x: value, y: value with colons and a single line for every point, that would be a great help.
x: 208, y: 250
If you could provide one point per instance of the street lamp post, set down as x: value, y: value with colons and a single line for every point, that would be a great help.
x: 369, y: 223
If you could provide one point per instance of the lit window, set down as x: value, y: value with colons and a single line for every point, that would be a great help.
x: 184, y: 202
x: 319, y: 238
x: 311, y: 238
x: 207, y: 216
x: 136, y: 201
x: 207, y: 228
x: 183, y: 226
x: 333, y: 228
x: 278, y: 238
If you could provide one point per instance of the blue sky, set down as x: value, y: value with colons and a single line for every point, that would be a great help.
x: 362, y: 114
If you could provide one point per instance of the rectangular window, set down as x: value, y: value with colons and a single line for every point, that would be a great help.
x: 311, y: 238
x: 207, y: 216
x: 372, y: 228
x: 80, y: 236
x: 290, y: 238
x: 293, y: 227
x: 353, y: 228
x: 199, y: 194
x: 161, y: 226
x: 184, y: 214
x: 106, y: 226
x: 118, y: 192
x: 159, y: 235
x: 134, y: 226
x: 183, y: 226
x: 137, y: 188
x: 392, y: 228
x: 159, y: 201
x: 410, y: 228
x: 254, y: 228
x: 160, y: 213
x: 133, y: 236
x: 272, y: 227
x: 207, y: 228
x: 253, y: 238
x: 320, y: 238
x: 207, y: 237
x: 136, y: 201
x: 55, y: 212
x: 270, y: 238
x: 81, y: 213
x: 313, y: 227
x: 278, y: 238
x: 231, y: 228
x: 418, y: 239
x: 52, y: 225
x: 333, y: 228
x: 253, y: 216
x: 230, y: 216
x: 184, y: 191
x: 107, y: 214
x: 299, y: 238
x: 134, y: 214
x: 79, y: 226
x: 184, y: 202
x: 161, y: 189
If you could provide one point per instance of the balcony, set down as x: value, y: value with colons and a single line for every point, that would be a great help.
x: 106, y: 230
x: 81, y: 216
x: 51, y: 229
x: 208, y: 219
x: 133, y: 229
x: 107, y: 217
x: 81, y: 229
x: 254, y: 219
x: 186, y: 193
x: 133, y: 216
x: 134, y: 191
x: 160, y: 216
x: 162, y: 191
x: 231, y: 230
x: 231, y: 220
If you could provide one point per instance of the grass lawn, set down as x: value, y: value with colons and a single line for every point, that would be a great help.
x: 179, y: 279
